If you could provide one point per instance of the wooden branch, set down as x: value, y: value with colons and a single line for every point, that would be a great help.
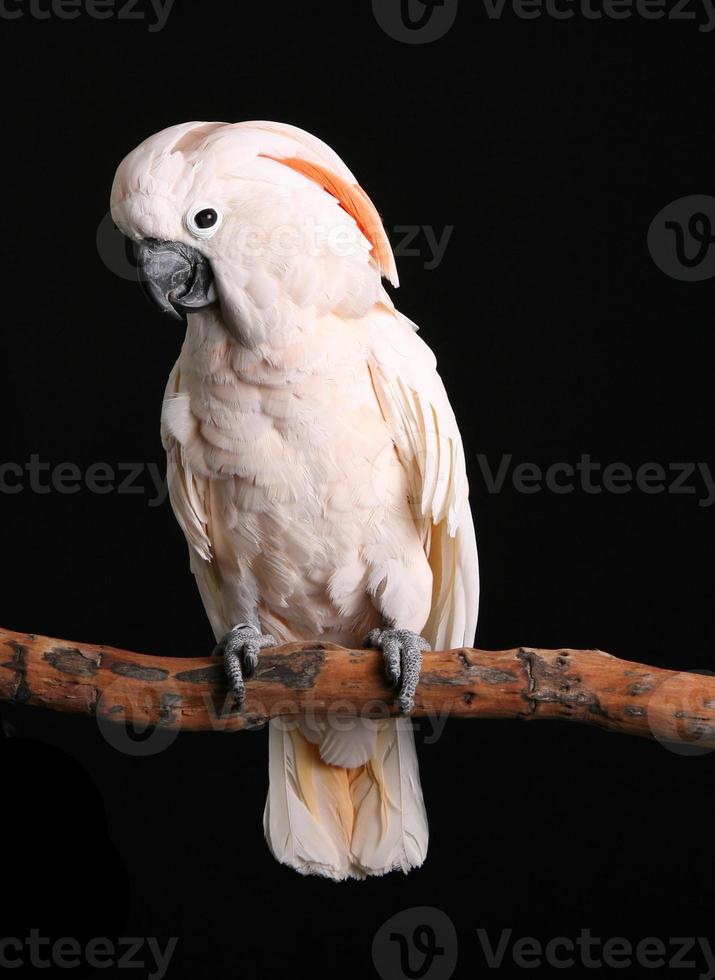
x: 302, y: 678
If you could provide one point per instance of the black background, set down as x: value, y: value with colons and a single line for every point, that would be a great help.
x: 549, y: 147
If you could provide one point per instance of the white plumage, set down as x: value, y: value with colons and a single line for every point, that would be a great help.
x: 314, y: 461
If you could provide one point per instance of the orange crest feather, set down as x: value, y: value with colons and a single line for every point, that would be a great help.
x: 352, y: 199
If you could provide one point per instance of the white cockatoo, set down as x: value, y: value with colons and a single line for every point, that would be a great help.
x: 314, y: 461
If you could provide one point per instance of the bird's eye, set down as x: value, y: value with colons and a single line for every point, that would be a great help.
x: 203, y: 221
x: 206, y: 218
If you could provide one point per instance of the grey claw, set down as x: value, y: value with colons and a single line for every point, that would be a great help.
x: 234, y: 673
x: 405, y: 704
x: 250, y: 659
x: 402, y: 652
x: 239, y: 649
x: 390, y: 647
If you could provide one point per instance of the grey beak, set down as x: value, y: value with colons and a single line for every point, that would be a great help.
x: 176, y: 277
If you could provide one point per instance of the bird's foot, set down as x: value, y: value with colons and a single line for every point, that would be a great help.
x: 402, y: 652
x: 239, y: 649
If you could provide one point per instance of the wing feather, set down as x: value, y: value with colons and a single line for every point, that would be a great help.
x: 189, y: 494
x: 416, y: 408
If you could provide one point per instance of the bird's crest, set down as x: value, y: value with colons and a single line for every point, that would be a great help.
x: 352, y: 199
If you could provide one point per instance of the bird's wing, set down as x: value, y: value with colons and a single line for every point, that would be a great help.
x: 415, y: 406
x: 189, y: 493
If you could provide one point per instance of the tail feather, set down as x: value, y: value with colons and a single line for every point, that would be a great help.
x: 390, y: 831
x: 345, y: 822
x: 304, y: 819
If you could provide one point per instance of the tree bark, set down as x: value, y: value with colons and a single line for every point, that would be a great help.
x: 527, y: 684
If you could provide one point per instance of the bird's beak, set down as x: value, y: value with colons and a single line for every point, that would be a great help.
x: 177, y: 278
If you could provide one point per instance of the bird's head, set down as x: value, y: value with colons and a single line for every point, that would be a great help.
x: 259, y: 219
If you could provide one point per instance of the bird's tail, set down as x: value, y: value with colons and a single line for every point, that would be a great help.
x: 345, y: 804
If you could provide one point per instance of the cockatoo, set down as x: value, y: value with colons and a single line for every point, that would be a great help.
x: 314, y: 461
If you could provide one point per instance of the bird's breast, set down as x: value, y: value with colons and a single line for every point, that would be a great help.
x: 304, y: 482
